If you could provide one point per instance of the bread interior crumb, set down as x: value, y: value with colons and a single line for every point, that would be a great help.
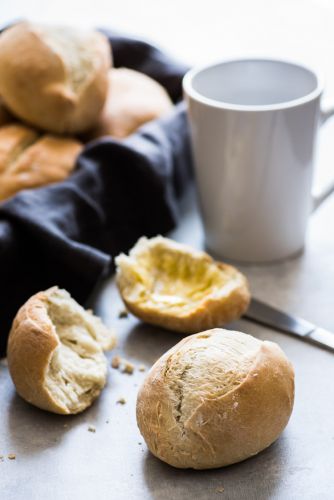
x: 166, y: 275
x: 77, y: 370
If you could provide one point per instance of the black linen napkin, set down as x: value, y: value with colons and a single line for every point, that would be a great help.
x: 66, y: 234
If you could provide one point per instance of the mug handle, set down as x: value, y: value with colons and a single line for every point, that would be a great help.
x: 318, y: 199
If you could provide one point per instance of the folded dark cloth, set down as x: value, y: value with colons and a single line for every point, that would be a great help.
x: 66, y: 234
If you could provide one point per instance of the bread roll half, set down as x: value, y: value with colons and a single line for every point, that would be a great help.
x: 214, y: 399
x: 55, y: 353
x: 55, y: 78
x: 177, y: 287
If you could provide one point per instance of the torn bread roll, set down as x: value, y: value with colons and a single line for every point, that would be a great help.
x: 133, y: 99
x: 28, y: 160
x: 55, y: 353
x: 54, y: 77
x: 172, y: 285
x: 216, y: 398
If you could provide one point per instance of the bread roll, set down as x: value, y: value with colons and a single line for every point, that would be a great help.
x: 214, y: 399
x: 14, y: 139
x: 133, y: 100
x: 174, y: 286
x: 55, y: 78
x: 48, y: 154
x: 27, y: 161
x: 55, y: 353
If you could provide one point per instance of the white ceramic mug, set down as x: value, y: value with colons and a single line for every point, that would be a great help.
x: 254, y: 126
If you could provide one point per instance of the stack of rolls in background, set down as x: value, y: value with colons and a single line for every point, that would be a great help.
x: 58, y: 90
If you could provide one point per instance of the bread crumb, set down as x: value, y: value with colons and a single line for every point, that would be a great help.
x: 121, y: 401
x: 2, y: 458
x: 220, y: 489
x: 116, y: 361
x: 123, y: 314
x: 11, y: 456
x: 91, y: 428
x: 142, y: 368
x: 128, y: 367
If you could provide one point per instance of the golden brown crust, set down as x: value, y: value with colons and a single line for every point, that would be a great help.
x: 217, y: 430
x: 216, y: 309
x: 14, y: 139
x: 28, y: 162
x: 133, y: 99
x: 31, y: 343
x: 66, y: 89
x: 49, y: 154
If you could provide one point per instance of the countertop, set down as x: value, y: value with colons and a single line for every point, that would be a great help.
x: 57, y: 457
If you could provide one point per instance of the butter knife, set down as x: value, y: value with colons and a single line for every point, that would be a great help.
x: 264, y: 314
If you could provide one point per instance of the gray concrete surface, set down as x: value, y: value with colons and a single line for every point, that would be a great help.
x: 57, y: 458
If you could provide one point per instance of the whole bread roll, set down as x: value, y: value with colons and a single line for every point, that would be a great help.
x: 55, y: 353
x: 55, y: 78
x: 133, y: 99
x: 214, y: 399
x: 29, y: 161
x: 174, y: 286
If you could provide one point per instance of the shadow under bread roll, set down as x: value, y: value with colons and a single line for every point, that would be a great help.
x: 5, y: 116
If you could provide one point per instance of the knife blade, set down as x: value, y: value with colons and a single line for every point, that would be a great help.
x: 264, y: 314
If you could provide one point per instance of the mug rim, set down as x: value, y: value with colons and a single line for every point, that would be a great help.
x: 189, y: 90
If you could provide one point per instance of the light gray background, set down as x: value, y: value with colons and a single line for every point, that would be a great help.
x: 57, y: 457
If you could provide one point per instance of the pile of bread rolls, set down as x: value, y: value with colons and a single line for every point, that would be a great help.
x: 58, y: 90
